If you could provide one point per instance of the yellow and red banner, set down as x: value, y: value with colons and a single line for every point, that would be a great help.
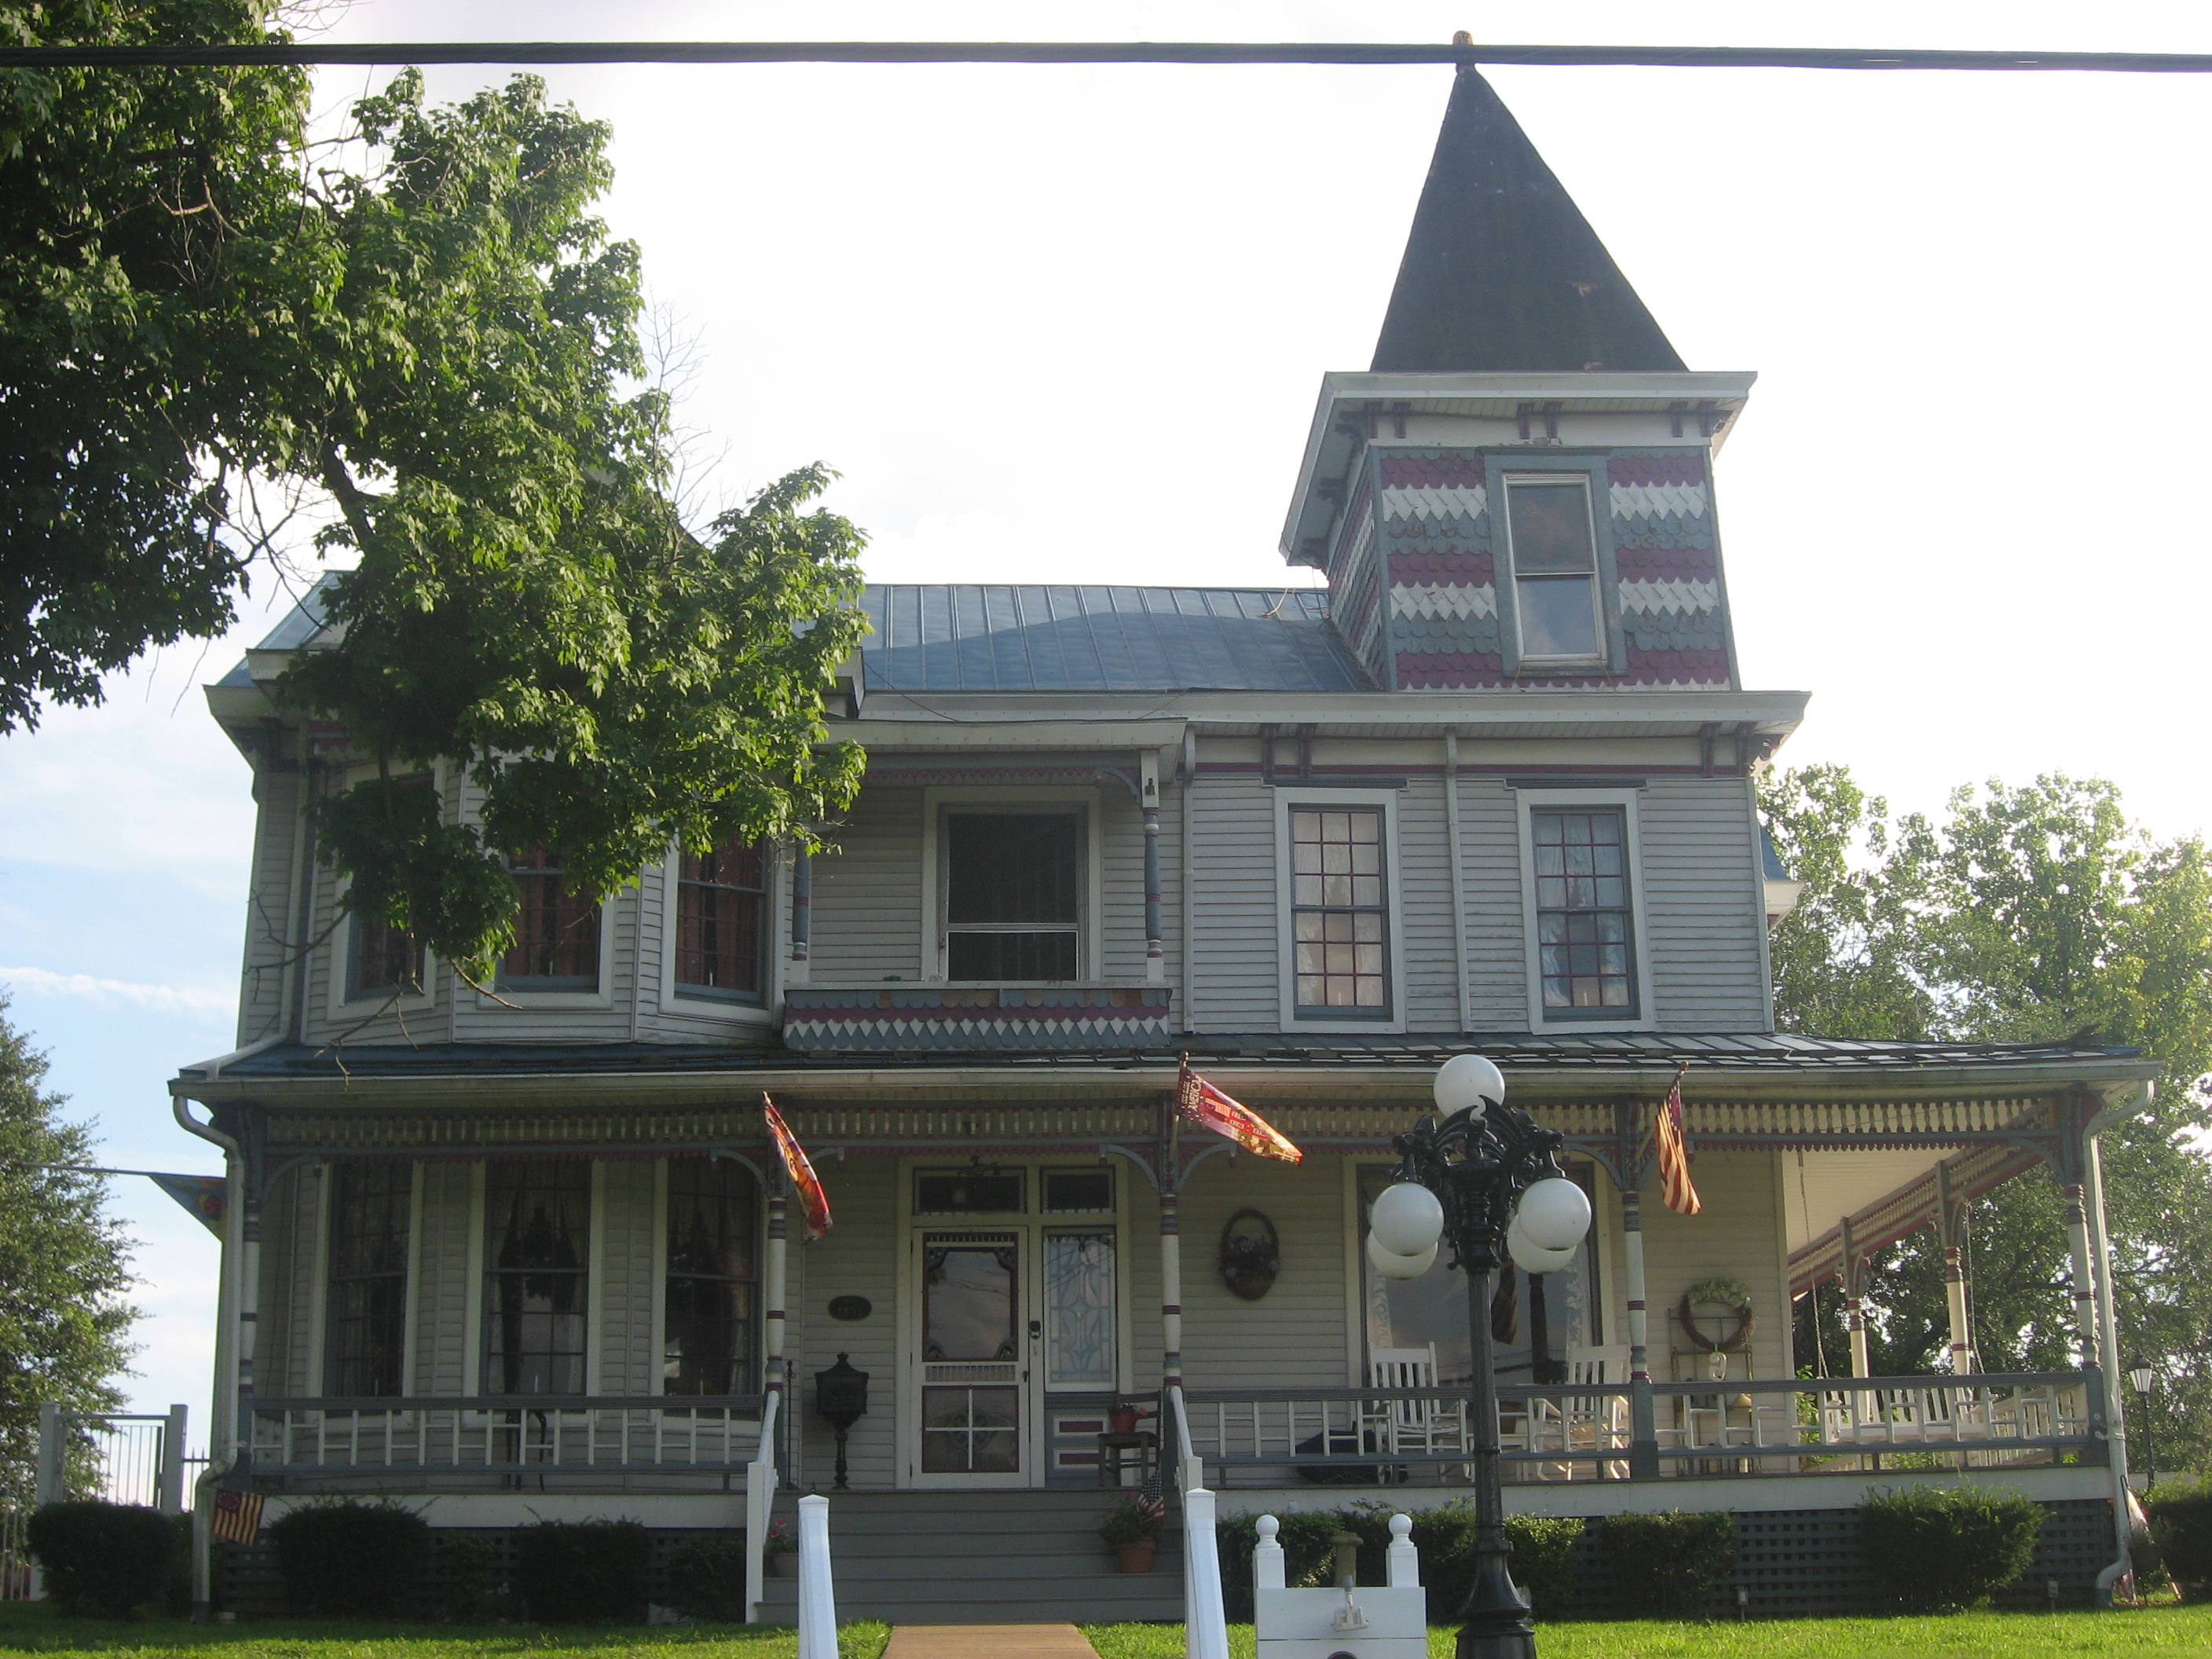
x: 814, y: 1201
x: 1672, y: 1146
x: 1208, y: 1106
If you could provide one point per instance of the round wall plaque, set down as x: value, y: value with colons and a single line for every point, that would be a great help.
x: 850, y: 1308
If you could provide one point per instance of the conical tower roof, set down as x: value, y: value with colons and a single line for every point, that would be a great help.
x: 1502, y: 272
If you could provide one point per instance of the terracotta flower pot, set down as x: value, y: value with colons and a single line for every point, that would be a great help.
x: 1136, y: 1555
x: 781, y: 1565
x: 1122, y: 1420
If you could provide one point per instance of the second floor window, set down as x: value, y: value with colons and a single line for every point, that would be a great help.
x: 721, y: 922
x: 707, y: 1323
x: 386, y: 959
x: 1339, y: 919
x: 1012, y: 887
x: 370, y: 1226
x: 1554, y: 569
x: 557, y: 933
x: 1584, y: 936
x: 537, y: 1248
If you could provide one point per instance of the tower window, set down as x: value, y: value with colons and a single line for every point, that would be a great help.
x: 1554, y: 554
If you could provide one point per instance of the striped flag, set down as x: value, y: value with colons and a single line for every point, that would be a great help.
x: 1205, y: 1105
x: 237, y: 1515
x: 1676, y: 1187
x: 814, y: 1201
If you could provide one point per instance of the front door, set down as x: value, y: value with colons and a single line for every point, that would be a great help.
x: 976, y: 1426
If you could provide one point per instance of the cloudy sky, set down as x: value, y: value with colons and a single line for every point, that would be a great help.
x: 1068, y: 323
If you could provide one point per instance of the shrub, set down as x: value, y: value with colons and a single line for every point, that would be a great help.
x: 582, y: 1572
x: 1665, y: 1565
x: 468, y: 1570
x: 344, y: 1558
x: 1547, y: 1552
x: 2180, y: 1514
x: 1938, y: 1548
x: 707, y: 1577
x: 177, y: 1589
x: 104, y: 1560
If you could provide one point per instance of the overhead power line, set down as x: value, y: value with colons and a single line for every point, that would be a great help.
x: 1057, y: 52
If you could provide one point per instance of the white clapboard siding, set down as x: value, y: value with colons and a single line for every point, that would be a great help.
x: 1700, y: 903
x: 1239, y: 985
x: 264, y: 968
x: 442, y: 1339
x: 1429, y: 997
x: 625, y: 1292
x: 1122, y: 881
x: 1735, y: 1236
x: 859, y: 1256
x: 1490, y: 867
x: 1293, y: 1336
x: 867, y: 893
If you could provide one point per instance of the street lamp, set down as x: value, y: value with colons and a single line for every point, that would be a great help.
x: 1487, y: 1182
x: 2143, y: 1376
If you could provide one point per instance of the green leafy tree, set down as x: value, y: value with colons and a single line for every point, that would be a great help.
x: 65, y: 1269
x: 215, y: 329
x: 2029, y: 913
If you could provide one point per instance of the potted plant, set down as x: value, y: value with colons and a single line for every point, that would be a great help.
x: 1132, y: 1530
x: 778, y: 1550
x: 1125, y: 1417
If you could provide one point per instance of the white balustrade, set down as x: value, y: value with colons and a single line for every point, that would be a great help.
x: 1206, y: 1625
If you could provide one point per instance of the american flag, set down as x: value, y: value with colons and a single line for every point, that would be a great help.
x: 1676, y: 1187
x: 814, y: 1202
x: 237, y: 1515
x: 1149, y: 1502
x: 1202, y: 1103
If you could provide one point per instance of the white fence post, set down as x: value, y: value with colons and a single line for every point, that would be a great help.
x: 52, y: 1450
x: 169, y: 1486
x: 1205, y: 1628
x: 1401, y: 1559
x: 817, y: 1598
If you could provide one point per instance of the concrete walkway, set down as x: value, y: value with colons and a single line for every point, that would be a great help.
x: 988, y: 1642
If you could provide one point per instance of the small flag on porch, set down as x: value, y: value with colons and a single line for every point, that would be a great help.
x: 1675, y: 1186
x: 237, y: 1517
x: 1204, y: 1104
x: 814, y: 1201
x: 204, y: 1196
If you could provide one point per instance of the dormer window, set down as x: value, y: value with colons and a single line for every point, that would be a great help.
x: 1553, y: 547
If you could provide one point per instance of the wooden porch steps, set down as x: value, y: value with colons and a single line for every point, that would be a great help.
x: 982, y: 1558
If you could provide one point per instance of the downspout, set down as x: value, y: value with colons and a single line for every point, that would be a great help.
x: 2108, y: 1335
x: 222, y: 1449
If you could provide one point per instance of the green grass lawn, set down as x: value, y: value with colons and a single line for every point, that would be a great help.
x: 2150, y: 1633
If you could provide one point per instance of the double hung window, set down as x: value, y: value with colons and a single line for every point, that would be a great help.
x: 1339, y: 915
x: 1013, y: 887
x: 1585, y: 941
x: 721, y: 922
x: 386, y: 959
x: 707, y: 1310
x: 1555, y: 574
x: 370, y: 1205
x: 537, y: 1217
x: 557, y: 932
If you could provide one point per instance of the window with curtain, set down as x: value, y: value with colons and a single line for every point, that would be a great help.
x: 1338, y: 915
x: 709, y: 1290
x: 557, y: 933
x: 538, y: 1246
x: 722, y: 923
x: 370, y: 1217
x: 1585, y: 939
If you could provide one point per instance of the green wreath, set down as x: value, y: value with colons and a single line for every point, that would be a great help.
x: 1730, y: 1293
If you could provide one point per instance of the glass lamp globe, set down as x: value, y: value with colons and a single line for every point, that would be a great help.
x: 1407, y: 1219
x: 1391, y: 1265
x: 2142, y: 1376
x: 1554, y: 1214
x: 1531, y: 1257
x: 1467, y: 1080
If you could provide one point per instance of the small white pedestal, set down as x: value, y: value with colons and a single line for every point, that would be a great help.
x: 1383, y: 1623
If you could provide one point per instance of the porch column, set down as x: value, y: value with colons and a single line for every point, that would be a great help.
x: 2085, y: 1283
x: 1854, y: 1307
x: 1950, y: 1229
x: 772, y: 1333
x: 1171, y: 1286
x: 1631, y: 1242
x: 1155, y: 943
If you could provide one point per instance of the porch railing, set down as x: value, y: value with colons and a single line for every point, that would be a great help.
x: 1827, y: 1425
x: 534, y: 1434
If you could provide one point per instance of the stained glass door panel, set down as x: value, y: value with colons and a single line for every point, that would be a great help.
x: 1078, y: 1310
x: 972, y: 1365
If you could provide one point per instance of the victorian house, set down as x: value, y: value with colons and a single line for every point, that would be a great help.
x: 1489, y: 788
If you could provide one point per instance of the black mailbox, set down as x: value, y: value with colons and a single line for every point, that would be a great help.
x: 840, y: 1397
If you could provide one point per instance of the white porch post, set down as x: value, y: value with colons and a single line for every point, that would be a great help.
x: 1855, y: 1306
x: 1631, y: 1242
x: 2085, y: 1282
x: 772, y: 1367
x: 1950, y: 1229
x: 1171, y: 1254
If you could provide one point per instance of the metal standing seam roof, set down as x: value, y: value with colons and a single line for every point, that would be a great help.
x: 971, y: 637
